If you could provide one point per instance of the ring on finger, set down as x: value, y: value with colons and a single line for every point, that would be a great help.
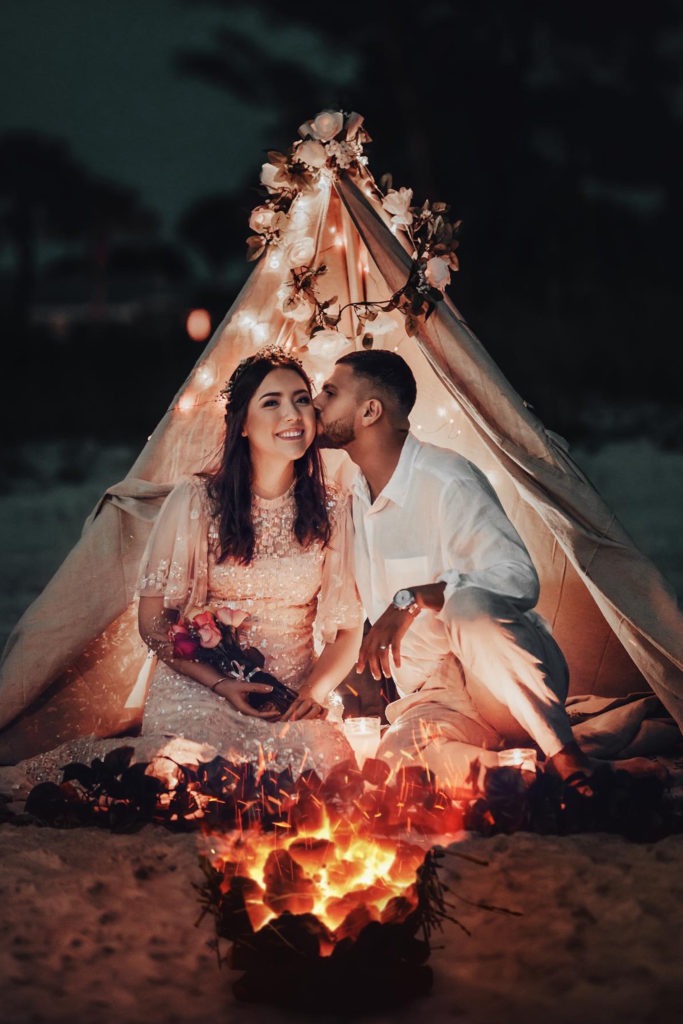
x: 383, y: 647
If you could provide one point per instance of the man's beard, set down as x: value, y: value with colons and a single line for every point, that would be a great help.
x: 336, y: 434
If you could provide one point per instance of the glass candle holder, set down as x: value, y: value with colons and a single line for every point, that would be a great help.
x: 363, y: 733
x: 523, y: 758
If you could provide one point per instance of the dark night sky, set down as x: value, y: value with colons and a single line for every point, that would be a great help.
x: 568, y: 262
x: 100, y: 75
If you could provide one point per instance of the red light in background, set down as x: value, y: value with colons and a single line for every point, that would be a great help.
x: 198, y: 324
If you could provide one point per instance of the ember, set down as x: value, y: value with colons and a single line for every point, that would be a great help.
x: 307, y: 912
x: 328, y: 875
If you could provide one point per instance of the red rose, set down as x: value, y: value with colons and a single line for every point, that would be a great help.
x: 184, y: 644
x: 209, y: 633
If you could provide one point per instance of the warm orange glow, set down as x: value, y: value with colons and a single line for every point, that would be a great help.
x: 198, y: 324
x: 343, y: 877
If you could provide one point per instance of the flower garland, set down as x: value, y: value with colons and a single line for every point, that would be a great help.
x: 329, y: 145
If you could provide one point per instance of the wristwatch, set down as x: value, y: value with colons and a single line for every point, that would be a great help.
x: 406, y: 601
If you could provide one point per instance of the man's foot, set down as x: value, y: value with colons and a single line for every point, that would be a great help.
x: 573, y: 767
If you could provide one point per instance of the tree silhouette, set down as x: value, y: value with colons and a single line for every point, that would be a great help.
x: 47, y: 195
x: 215, y: 227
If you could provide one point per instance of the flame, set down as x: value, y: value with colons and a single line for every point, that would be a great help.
x: 342, y: 876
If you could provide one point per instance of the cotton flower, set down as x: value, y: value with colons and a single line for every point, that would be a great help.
x: 397, y: 204
x: 437, y: 273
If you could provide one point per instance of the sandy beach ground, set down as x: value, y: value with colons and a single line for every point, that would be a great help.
x: 99, y: 928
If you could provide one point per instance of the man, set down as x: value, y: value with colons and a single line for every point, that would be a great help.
x: 448, y: 587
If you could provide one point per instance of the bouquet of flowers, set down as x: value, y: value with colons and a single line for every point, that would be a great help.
x: 211, y: 635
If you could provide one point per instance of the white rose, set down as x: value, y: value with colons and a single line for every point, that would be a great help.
x: 261, y: 219
x: 328, y: 345
x: 324, y: 126
x: 270, y: 177
x: 437, y: 273
x: 311, y: 153
x: 397, y: 203
x: 300, y: 251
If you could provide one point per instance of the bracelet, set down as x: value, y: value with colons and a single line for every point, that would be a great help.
x: 217, y: 683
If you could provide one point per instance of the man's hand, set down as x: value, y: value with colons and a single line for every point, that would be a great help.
x: 390, y: 628
x: 384, y: 636
x: 304, y: 707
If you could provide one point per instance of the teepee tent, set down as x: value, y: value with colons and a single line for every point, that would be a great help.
x: 338, y: 264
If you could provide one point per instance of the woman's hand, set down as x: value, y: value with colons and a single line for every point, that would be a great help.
x: 305, y: 707
x: 236, y: 692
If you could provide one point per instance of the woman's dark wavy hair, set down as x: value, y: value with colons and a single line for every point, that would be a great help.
x: 229, y: 487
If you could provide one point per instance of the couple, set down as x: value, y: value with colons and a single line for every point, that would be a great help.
x: 441, y: 573
x: 422, y: 548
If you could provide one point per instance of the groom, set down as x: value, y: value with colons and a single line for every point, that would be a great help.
x: 448, y: 587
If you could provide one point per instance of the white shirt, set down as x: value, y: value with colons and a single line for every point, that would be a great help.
x: 437, y: 518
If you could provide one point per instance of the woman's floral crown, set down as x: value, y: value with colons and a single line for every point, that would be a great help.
x: 267, y: 352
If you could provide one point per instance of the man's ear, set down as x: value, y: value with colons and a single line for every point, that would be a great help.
x: 371, y: 412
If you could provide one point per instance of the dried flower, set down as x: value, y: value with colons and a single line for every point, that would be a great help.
x: 397, y: 203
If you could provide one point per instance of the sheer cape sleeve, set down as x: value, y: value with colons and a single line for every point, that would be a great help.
x: 339, y: 605
x: 174, y: 564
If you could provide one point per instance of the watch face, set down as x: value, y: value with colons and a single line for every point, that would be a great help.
x: 402, y: 598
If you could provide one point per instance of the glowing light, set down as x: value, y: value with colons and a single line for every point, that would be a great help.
x: 260, y: 332
x: 518, y: 757
x: 339, y: 241
x: 186, y: 403
x: 274, y: 261
x: 205, y: 375
x: 299, y: 218
x: 198, y: 324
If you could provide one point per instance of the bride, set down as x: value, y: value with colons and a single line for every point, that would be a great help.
x: 263, y: 537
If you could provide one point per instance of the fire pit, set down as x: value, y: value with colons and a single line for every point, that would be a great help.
x: 329, y: 912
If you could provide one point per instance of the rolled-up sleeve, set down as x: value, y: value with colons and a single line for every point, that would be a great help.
x: 480, y: 545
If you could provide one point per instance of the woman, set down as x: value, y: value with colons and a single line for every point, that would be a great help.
x: 261, y: 536
x: 265, y: 537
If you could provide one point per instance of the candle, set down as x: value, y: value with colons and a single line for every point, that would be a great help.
x: 364, y: 735
x: 523, y: 758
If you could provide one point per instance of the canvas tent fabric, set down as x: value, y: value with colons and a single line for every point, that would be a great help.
x: 74, y: 663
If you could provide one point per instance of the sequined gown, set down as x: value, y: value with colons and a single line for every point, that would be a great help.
x: 296, y: 599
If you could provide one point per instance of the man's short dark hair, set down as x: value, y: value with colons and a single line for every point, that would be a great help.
x: 387, y: 371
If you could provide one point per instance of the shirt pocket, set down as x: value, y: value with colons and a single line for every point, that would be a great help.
x: 406, y: 572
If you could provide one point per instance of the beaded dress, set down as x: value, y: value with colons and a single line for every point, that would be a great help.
x: 296, y: 599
